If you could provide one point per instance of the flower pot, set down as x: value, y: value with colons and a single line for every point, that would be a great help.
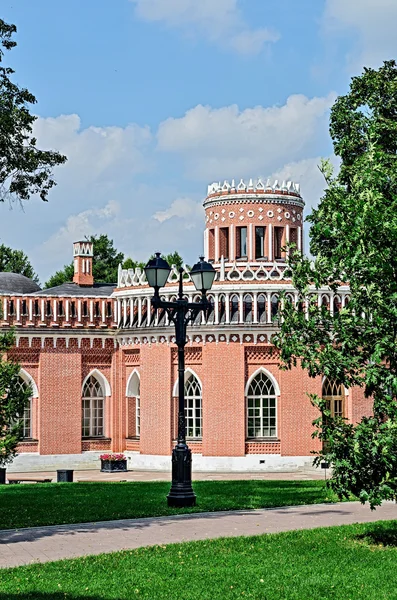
x: 113, y: 466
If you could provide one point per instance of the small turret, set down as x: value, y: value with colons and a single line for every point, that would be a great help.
x: 82, y: 255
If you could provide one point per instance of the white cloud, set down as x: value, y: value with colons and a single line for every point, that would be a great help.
x: 227, y: 142
x: 77, y: 227
x: 220, y: 21
x: 95, y: 153
x: 183, y: 208
x: 371, y: 25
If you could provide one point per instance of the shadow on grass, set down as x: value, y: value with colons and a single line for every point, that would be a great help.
x: 380, y: 534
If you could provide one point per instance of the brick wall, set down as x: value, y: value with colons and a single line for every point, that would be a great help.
x: 223, y: 400
x: 155, y: 373
x: 60, y: 379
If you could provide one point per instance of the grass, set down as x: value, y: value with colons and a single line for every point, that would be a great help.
x: 339, y: 563
x: 32, y: 505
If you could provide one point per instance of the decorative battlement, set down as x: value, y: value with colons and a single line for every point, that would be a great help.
x: 253, y: 187
x: 83, y: 248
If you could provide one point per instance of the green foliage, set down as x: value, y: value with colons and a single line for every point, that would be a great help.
x: 16, y: 261
x: 355, y: 562
x: 129, y: 263
x: 174, y: 258
x: 60, y: 277
x: 13, y: 399
x: 54, y: 504
x: 354, y: 240
x: 24, y: 169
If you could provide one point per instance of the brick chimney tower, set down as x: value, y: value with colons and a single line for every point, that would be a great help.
x: 83, y: 254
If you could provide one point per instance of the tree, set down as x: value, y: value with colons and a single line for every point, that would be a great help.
x: 105, y: 263
x: 354, y: 240
x: 24, y: 169
x: 16, y: 261
x: 174, y: 258
x: 13, y: 400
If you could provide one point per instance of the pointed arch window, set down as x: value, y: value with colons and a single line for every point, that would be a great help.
x: 93, y: 408
x: 261, y: 408
x: 334, y: 395
x: 27, y: 413
x: 193, y: 408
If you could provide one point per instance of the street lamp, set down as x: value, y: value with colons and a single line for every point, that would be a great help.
x: 180, y: 313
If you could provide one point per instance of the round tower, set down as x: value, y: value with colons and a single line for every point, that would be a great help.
x: 251, y: 222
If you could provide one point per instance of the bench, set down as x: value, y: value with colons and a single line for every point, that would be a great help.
x: 30, y: 480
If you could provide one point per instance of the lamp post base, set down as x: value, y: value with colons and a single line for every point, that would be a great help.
x: 181, y: 492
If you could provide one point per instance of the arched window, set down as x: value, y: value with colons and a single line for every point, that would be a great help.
x: 261, y: 408
x: 193, y: 408
x: 262, y: 317
x: 133, y: 393
x: 93, y: 408
x: 247, y: 308
x: 274, y: 305
x: 234, y: 309
x: 334, y: 395
x: 27, y: 413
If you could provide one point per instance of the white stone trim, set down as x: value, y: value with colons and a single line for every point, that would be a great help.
x: 30, y: 381
x: 102, y: 380
x: 269, y: 375
x: 188, y: 372
x: 129, y: 392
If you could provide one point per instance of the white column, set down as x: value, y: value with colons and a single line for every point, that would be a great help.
x: 269, y: 307
x: 241, y: 308
x: 270, y: 240
x: 232, y: 243
x: 66, y: 311
x: 299, y: 238
x: 216, y: 254
x: 255, y: 307
x: 91, y: 311
x: 124, y: 311
x: 103, y: 311
x: 216, y: 309
x: 251, y: 242
x: 54, y: 304
x: 139, y: 311
x: 18, y: 303
x: 287, y: 237
x: 31, y: 309
x: 148, y: 312
x: 331, y: 305
x: 227, y: 308
x: 79, y: 311
x: 43, y: 309
x: 5, y: 309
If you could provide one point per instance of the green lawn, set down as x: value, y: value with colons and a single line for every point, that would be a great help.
x: 28, y: 505
x: 345, y: 563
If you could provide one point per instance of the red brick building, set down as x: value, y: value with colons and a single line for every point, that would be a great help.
x: 103, y: 364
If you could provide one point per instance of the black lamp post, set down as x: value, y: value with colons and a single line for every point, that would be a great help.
x: 180, y: 313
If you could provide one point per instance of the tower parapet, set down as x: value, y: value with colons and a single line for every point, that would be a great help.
x: 83, y: 253
x: 252, y: 221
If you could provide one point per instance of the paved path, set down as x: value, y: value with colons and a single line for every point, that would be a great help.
x: 96, y: 475
x: 42, y: 544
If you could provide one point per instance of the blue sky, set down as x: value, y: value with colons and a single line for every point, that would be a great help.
x: 151, y: 100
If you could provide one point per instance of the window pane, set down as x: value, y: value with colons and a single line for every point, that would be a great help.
x: 259, y: 242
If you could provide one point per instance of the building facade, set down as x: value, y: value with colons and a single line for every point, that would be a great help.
x: 103, y: 364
